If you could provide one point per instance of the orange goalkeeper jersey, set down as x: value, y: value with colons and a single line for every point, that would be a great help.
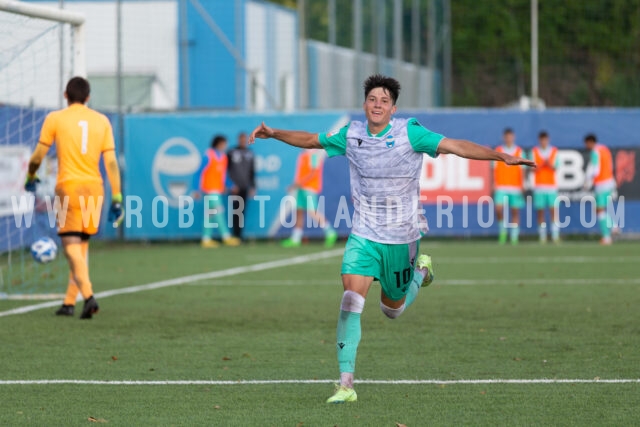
x: 81, y: 136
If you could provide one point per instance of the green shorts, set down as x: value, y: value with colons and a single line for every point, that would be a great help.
x: 306, y: 199
x: 391, y: 264
x: 544, y: 199
x: 602, y: 198
x: 512, y: 199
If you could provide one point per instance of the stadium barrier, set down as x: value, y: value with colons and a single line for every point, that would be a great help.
x: 162, y: 152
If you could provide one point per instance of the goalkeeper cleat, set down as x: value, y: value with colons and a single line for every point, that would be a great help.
x: 425, y: 265
x: 209, y: 243
x: 90, y: 308
x: 231, y: 241
x: 65, y: 310
x: 343, y: 395
x: 289, y: 243
x: 330, y: 239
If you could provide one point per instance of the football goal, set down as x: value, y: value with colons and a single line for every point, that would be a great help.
x: 41, y: 47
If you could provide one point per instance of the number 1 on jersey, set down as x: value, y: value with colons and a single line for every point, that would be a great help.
x: 85, y: 135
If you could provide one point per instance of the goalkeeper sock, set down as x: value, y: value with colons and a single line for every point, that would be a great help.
x: 348, y: 335
x: 79, y: 268
x: 72, y: 288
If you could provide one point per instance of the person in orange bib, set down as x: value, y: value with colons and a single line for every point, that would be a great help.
x: 545, y: 187
x: 308, y: 185
x: 508, y: 184
x: 82, y: 136
x: 600, y: 176
x: 212, y: 182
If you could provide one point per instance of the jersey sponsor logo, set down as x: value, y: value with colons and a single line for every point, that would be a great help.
x: 390, y: 141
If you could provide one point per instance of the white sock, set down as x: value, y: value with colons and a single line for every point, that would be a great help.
x: 296, y: 235
x: 346, y: 379
x: 542, y: 231
x: 555, y: 231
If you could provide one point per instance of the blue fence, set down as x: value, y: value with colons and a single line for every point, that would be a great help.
x: 163, y: 151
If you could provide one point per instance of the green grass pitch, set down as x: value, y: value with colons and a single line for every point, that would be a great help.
x: 509, y: 313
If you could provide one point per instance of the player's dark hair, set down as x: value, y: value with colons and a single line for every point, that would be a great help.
x: 590, y: 138
x: 217, y: 140
x: 78, y: 90
x: 507, y: 131
x: 389, y: 84
x: 543, y: 134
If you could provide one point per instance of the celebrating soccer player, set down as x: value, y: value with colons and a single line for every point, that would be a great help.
x: 82, y: 136
x: 385, y: 158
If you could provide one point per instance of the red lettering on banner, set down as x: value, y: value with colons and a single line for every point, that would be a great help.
x: 455, y: 177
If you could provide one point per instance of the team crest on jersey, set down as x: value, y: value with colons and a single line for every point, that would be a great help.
x: 390, y: 141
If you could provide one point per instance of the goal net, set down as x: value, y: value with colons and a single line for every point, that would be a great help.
x: 40, y: 49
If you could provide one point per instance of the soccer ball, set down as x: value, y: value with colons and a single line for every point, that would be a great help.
x: 44, y: 250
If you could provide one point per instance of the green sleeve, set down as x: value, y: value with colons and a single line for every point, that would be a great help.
x: 595, y: 158
x: 335, y: 143
x: 556, y: 164
x: 422, y: 139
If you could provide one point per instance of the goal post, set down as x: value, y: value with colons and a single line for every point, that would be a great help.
x: 41, y: 48
x: 75, y: 19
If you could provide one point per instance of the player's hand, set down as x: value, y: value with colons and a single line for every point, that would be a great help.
x: 31, y: 182
x: 516, y: 161
x: 116, y: 212
x: 263, y: 132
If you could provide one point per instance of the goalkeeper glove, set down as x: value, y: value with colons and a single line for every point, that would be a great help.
x: 31, y: 182
x: 116, y: 213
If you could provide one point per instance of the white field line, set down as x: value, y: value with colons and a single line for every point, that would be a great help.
x: 534, y: 259
x: 329, y: 381
x: 30, y: 297
x: 189, y: 279
x: 443, y: 282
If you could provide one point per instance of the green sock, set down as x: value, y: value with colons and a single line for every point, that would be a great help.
x: 414, y: 287
x: 502, y: 233
x: 348, y: 339
x: 604, y: 227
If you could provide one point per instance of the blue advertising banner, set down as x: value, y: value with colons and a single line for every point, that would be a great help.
x: 163, y: 152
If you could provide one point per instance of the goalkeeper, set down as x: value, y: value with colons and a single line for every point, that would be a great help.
x: 385, y: 159
x: 82, y: 136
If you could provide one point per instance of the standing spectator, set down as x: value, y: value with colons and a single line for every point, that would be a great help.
x: 600, y: 176
x: 242, y: 174
x: 545, y: 187
x: 212, y: 179
x: 308, y: 185
x: 508, y: 184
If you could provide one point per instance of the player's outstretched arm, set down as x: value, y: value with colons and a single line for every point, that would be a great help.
x: 470, y: 150
x: 292, y: 137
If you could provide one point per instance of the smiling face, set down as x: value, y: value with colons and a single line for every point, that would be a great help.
x: 378, y: 108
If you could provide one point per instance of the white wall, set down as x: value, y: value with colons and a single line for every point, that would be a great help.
x: 150, y: 43
x: 271, y: 54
